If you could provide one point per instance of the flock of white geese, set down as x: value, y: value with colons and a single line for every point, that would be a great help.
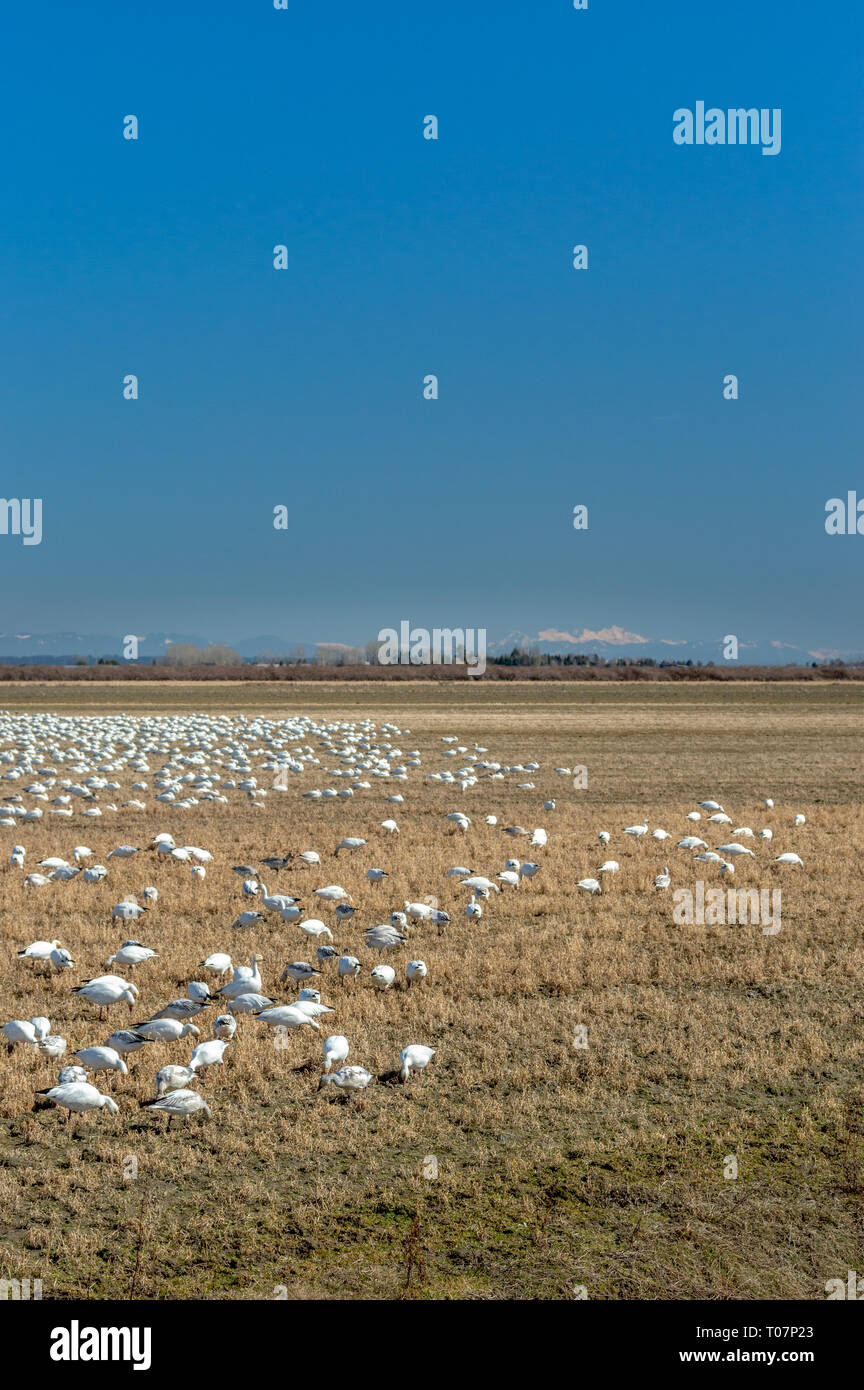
x: 76, y: 768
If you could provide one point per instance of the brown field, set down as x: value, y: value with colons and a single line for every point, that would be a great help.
x: 557, y: 1166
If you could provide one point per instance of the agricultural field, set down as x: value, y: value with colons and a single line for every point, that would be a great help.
x: 597, y: 1064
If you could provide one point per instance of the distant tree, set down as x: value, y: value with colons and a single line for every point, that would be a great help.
x: 183, y: 654
x: 218, y: 655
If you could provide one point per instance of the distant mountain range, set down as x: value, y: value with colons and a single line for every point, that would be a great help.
x: 611, y: 643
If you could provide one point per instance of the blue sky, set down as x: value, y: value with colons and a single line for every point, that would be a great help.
x: 409, y: 257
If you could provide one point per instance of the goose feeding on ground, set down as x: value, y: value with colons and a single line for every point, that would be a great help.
x: 528, y: 869
x: 509, y: 877
x: 315, y: 928
x: 126, y: 1040
x: 123, y: 852
x: 309, y: 857
x: 248, y: 919
x: 78, y: 1097
x: 165, y: 1029
x: 98, y: 1059
x: 789, y: 859
x: 348, y: 966
x: 416, y: 970
x: 604, y: 837
x: 127, y: 912
x: 733, y: 849
x: 745, y: 831
x: 766, y: 834
x: 250, y: 1003
x: 219, y: 964
x: 800, y: 820
x: 710, y: 805
x: 336, y: 1050
x: 172, y: 1079
x: 472, y: 881
x: 332, y: 893
x: 347, y: 1079
x: 383, y: 976
x: 539, y: 837
x: 224, y: 1027
x: 22, y: 1030
x: 709, y: 857
x: 691, y: 842
x: 589, y: 885
x: 376, y: 875
x: 39, y: 950
x: 611, y: 866
x: 351, y: 842
x: 659, y: 834
x: 288, y: 1016
x: 182, y: 1009
x: 390, y: 826
x: 663, y: 880
x: 36, y: 880
x: 720, y: 819
x: 298, y: 971
x: 768, y: 803
x: 414, y: 1059
x: 178, y: 1105
x: 208, y: 1054
x: 106, y: 990
x: 473, y: 911
x: 132, y: 953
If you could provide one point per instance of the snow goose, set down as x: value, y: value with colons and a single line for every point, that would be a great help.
x: 416, y: 970
x: 98, y: 1059
x: 178, y: 1105
x: 132, y: 953
x: 336, y: 1050
x: 789, y: 859
x: 589, y: 885
x: 165, y: 1029
x: 288, y: 1016
x: 383, y: 975
x: 219, y: 964
x: 208, y: 1054
x: 347, y: 1079
x: 348, y: 965
x: 106, y: 990
x: 414, y: 1058
x: 77, y: 1097
x: 225, y: 1026
x: 298, y: 971
x: 172, y: 1079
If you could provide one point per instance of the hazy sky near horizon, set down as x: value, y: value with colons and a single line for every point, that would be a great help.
x: 408, y: 256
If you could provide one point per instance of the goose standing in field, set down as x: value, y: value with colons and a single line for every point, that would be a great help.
x: 414, y: 1059
x: 106, y: 990
x: 800, y: 820
x: 52, y: 1046
x: 789, y: 859
x: 225, y: 1026
x: 336, y: 1050
x: 376, y: 875
x: 637, y: 831
x: 710, y: 805
x: 348, y: 966
x: 735, y: 849
x: 383, y: 976
x: 77, y: 1097
x: 416, y: 970
x: 473, y: 911
x: 127, y: 911
x: 663, y: 880
x: 182, y: 1009
x: 383, y: 938
x: 123, y: 852
x: 691, y: 842
x: 247, y: 979
x: 766, y: 834
x: 332, y: 893
x: 611, y: 866
x: 659, y: 834
x: 589, y: 885
x: 178, y: 1105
